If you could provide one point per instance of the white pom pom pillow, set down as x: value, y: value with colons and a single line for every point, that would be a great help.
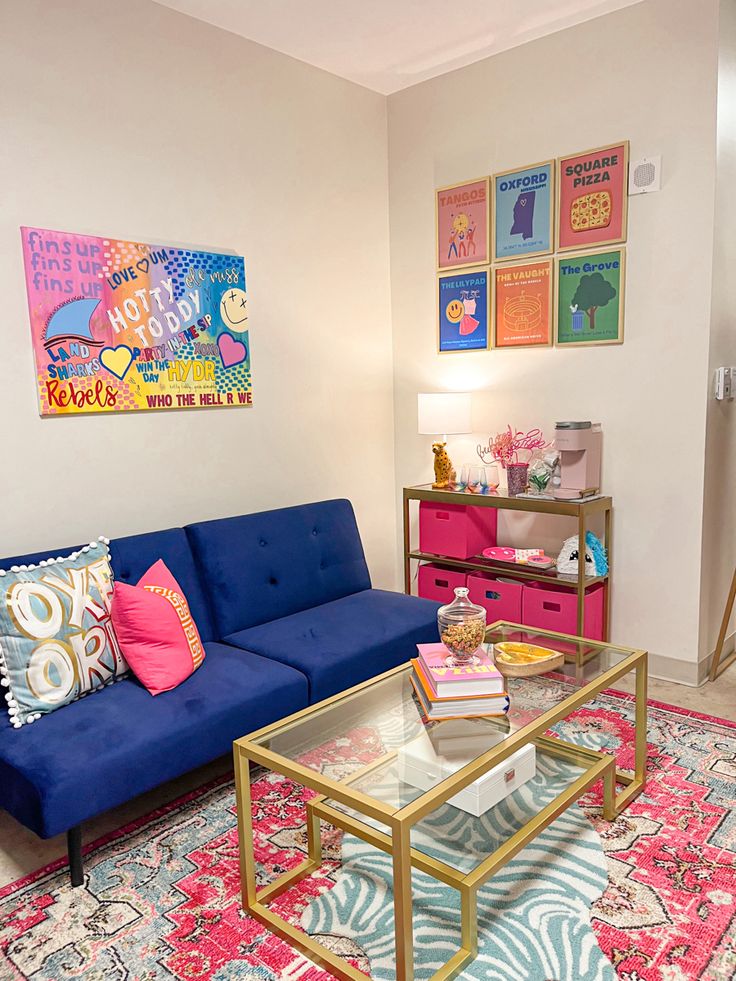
x: 57, y: 642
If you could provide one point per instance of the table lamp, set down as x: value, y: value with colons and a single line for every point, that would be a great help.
x: 443, y: 414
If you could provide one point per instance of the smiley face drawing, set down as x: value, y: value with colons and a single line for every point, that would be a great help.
x: 234, y: 309
x: 454, y: 311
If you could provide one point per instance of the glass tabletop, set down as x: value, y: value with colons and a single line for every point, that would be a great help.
x: 361, y: 738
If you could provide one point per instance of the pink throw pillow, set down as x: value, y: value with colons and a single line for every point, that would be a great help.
x: 155, y: 630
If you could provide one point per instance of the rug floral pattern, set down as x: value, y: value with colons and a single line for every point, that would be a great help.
x: 161, y: 897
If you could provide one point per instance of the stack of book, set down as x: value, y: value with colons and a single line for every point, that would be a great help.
x: 465, y: 692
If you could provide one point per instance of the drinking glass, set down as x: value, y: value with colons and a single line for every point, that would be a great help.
x: 474, y: 480
x: 493, y: 478
x: 461, y: 480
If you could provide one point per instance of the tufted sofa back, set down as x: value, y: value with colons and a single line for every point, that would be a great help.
x: 131, y: 557
x: 260, y: 567
x: 240, y: 572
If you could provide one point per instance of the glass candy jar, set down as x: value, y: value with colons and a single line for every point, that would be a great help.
x: 462, y: 627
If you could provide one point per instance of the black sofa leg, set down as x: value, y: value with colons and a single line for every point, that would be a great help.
x: 74, y: 850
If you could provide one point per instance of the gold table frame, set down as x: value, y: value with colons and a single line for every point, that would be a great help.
x: 398, y: 822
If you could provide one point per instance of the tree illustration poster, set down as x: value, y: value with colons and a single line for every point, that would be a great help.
x: 522, y: 302
x: 120, y: 326
x: 462, y: 300
x: 523, y: 207
x: 590, y: 298
x: 462, y: 219
x: 592, y: 189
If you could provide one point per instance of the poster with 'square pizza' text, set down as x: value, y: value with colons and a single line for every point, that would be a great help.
x: 126, y: 326
x: 592, y: 197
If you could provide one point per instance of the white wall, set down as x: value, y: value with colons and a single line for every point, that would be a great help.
x: 719, y: 513
x: 135, y: 121
x: 647, y: 73
x: 131, y: 120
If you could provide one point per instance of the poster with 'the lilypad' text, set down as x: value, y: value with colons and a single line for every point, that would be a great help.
x: 120, y: 325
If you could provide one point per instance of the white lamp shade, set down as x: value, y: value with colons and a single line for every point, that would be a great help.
x: 444, y: 413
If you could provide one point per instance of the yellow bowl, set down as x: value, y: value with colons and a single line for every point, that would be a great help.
x: 517, y: 660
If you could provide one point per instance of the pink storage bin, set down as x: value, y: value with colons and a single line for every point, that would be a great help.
x: 439, y: 584
x: 500, y: 600
x: 551, y: 606
x: 458, y: 531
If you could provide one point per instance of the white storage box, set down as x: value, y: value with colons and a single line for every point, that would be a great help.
x: 422, y: 765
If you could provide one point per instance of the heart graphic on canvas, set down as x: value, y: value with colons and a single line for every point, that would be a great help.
x: 232, y: 352
x: 117, y: 360
x: 143, y: 265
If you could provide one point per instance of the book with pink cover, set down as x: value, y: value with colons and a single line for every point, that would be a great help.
x: 482, y: 678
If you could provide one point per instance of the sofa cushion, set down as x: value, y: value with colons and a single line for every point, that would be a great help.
x: 260, y: 567
x: 155, y: 630
x: 57, y: 641
x: 132, y: 556
x: 99, y: 752
x: 341, y: 643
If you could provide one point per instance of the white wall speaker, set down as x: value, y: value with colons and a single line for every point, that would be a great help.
x: 645, y: 175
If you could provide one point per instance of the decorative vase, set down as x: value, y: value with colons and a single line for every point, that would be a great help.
x: 517, y: 475
x: 540, y: 474
x: 462, y: 627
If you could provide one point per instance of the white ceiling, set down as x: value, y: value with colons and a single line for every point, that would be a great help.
x: 389, y: 45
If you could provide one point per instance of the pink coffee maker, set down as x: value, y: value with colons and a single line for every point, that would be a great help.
x: 579, y: 446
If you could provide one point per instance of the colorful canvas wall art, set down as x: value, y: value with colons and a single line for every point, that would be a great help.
x: 125, y: 326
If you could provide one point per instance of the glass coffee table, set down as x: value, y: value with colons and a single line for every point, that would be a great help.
x: 368, y: 798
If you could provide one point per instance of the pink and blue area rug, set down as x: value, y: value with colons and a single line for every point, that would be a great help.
x: 650, y: 897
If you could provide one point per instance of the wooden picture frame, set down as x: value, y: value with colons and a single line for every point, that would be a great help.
x: 507, y: 203
x: 462, y: 223
x: 579, y: 332
x: 456, y: 312
x: 592, y: 198
x: 529, y: 324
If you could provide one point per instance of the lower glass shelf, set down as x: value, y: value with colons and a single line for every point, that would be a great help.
x: 460, y: 840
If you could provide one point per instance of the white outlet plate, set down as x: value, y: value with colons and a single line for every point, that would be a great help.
x: 725, y: 378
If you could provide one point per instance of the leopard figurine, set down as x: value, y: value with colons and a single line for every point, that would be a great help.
x: 444, y: 474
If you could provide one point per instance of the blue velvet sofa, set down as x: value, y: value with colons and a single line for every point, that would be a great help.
x: 285, y: 609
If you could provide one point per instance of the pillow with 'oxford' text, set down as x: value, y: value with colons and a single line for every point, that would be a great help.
x: 57, y: 640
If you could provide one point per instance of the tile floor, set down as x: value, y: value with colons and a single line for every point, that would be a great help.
x: 22, y: 852
x: 718, y: 698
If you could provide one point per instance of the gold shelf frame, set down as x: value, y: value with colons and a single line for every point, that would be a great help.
x: 581, y: 510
